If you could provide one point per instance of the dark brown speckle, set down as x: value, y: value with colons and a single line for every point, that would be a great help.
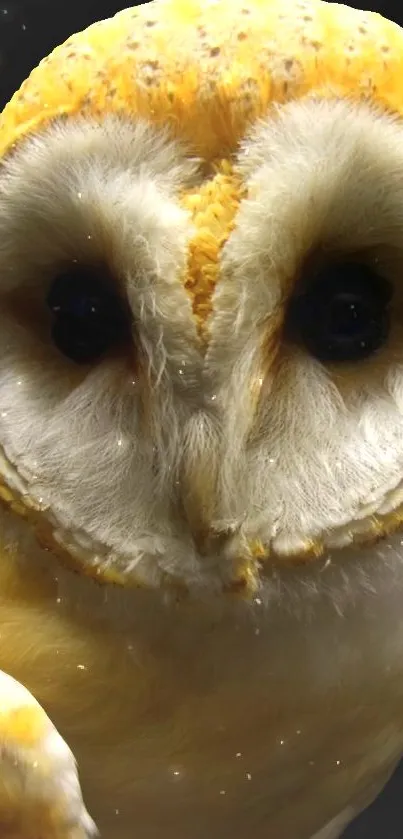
x: 152, y: 63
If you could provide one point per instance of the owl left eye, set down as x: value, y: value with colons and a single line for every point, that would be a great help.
x: 89, y: 317
x: 343, y: 316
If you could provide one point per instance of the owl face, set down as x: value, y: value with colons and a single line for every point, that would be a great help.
x: 201, y: 341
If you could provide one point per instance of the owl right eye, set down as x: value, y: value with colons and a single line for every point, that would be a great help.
x: 343, y: 316
x: 88, y: 315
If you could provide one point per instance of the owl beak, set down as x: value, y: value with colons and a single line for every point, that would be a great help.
x: 210, y: 542
x: 198, y: 504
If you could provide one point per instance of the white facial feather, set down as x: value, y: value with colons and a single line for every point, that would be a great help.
x: 327, y: 444
x: 137, y: 462
x: 99, y: 194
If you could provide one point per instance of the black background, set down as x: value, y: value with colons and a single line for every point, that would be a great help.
x: 29, y: 29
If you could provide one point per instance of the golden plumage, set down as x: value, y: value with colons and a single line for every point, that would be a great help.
x: 207, y: 70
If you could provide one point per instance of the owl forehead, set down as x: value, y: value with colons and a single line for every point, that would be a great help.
x: 207, y: 70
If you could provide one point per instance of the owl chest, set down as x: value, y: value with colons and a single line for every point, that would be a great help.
x: 222, y: 718
x: 194, y: 719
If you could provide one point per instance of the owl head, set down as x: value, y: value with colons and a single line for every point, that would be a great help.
x: 201, y: 292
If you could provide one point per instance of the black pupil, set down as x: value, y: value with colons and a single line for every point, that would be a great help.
x: 344, y: 314
x: 88, y: 315
x: 349, y: 316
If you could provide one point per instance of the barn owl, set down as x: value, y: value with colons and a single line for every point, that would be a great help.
x: 201, y: 425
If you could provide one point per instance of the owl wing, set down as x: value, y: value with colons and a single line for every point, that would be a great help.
x: 40, y: 792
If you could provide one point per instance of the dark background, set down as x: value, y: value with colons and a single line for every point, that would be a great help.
x: 29, y: 29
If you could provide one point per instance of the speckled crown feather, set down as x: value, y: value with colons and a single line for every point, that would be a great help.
x: 207, y: 69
